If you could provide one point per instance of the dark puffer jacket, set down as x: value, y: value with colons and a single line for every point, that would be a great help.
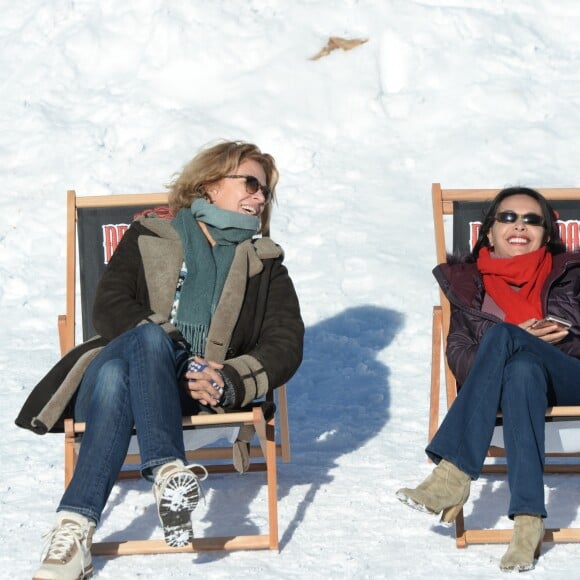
x: 256, y: 330
x: 462, y: 284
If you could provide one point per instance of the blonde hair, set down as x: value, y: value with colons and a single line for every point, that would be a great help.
x: 211, y: 164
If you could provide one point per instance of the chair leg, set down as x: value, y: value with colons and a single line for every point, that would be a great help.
x: 267, y: 437
x: 435, y: 371
x: 460, y: 539
x: 69, y: 451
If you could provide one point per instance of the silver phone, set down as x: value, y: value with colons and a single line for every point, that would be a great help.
x: 550, y: 319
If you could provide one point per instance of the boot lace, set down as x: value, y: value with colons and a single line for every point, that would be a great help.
x: 196, y: 466
x: 61, y: 540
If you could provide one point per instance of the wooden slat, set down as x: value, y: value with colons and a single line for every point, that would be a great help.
x: 243, y: 418
x: 560, y: 411
x: 209, y: 453
x: 563, y: 411
x: 120, y: 199
x: 438, y: 224
x: 265, y: 430
x: 67, y: 322
x: 435, y: 372
x: 551, y: 193
x: 222, y: 468
x: 123, y: 548
x: 446, y: 197
x: 496, y: 536
x: 283, y: 449
x: 550, y: 468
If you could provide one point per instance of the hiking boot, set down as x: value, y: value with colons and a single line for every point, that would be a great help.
x: 445, y: 491
x: 67, y: 553
x: 176, y: 491
x: 525, y: 545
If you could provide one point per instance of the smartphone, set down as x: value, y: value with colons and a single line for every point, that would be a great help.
x: 565, y: 324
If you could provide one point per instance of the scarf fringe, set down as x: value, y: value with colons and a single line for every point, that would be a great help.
x: 196, y: 336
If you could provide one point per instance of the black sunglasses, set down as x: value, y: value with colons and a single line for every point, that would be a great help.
x: 511, y: 217
x: 253, y: 185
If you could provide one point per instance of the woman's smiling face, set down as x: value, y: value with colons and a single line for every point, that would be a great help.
x: 232, y: 194
x: 517, y: 238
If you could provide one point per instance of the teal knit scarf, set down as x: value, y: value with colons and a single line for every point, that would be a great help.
x: 206, y: 267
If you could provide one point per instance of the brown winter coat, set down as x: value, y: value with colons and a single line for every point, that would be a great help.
x: 256, y: 330
x: 462, y: 283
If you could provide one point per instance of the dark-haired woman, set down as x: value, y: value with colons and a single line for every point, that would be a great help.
x: 506, y: 360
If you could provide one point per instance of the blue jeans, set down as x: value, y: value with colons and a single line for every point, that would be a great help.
x: 132, y: 382
x: 520, y: 375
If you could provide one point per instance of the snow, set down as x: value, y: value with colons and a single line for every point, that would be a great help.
x: 109, y: 97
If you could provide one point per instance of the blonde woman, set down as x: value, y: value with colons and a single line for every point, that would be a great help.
x: 209, y: 277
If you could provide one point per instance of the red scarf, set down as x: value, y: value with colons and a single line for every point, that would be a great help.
x: 528, y: 272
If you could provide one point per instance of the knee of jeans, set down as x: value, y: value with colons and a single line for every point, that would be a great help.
x: 111, y: 382
x: 500, y: 332
x: 152, y: 336
x: 504, y: 333
x: 524, y: 371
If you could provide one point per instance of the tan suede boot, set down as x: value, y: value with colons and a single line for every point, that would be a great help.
x: 445, y: 490
x: 525, y: 545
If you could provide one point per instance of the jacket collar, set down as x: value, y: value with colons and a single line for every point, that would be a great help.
x: 160, y: 270
x: 461, y: 281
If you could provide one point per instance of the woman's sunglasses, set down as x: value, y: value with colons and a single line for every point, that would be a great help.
x: 511, y: 217
x: 253, y: 185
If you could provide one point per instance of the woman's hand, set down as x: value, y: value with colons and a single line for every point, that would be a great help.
x: 205, y: 386
x: 553, y: 333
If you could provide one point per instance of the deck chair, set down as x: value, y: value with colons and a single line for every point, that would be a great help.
x: 464, y: 208
x: 96, y: 224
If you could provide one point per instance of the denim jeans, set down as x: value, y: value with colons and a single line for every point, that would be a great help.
x: 520, y: 375
x: 132, y: 382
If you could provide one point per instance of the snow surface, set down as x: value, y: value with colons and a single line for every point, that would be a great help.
x: 114, y: 97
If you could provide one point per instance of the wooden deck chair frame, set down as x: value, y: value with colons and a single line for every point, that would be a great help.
x: 443, y: 205
x: 264, y: 455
